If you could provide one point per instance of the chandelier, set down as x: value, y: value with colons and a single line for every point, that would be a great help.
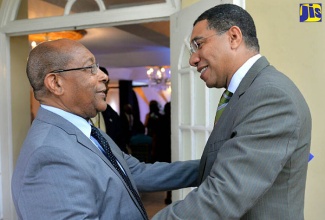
x: 72, y: 35
x: 159, y: 77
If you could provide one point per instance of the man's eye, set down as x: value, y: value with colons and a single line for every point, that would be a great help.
x: 199, y: 44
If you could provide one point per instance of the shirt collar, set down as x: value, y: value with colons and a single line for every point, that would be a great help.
x: 241, y: 72
x: 76, y: 120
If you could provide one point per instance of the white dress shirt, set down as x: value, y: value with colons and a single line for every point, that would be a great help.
x: 241, y: 72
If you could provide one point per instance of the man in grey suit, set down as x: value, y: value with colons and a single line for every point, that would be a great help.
x: 63, y: 170
x: 254, y: 164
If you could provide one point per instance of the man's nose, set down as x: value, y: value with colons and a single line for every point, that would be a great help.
x: 103, y: 76
x: 194, y: 59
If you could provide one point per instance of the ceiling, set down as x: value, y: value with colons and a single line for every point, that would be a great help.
x: 125, y: 50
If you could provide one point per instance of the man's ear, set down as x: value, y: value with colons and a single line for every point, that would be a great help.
x: 236, y: 37
x: 53, y: 82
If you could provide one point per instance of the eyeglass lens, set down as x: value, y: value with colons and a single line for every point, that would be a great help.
x: 193, y: 47
x: 94, y: 68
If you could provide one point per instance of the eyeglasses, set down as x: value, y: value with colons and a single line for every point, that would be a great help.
x: 195, y: 44
x: 93, y: 68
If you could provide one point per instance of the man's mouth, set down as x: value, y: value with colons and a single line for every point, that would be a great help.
x: 103, y: 92
x: 204, y: 69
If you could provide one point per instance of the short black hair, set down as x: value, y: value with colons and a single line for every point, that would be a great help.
x: 222, y: 17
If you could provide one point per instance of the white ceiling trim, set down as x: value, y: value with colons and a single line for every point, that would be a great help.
x: 112, y: 17
x: 69, y: 4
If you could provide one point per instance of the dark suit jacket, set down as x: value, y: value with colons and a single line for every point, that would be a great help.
x: 114, y: 128
x: 61, y: 174
x: 254, y: 164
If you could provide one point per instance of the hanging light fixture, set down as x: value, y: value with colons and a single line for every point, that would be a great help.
x: 72, y: 35
x: 159, y: 77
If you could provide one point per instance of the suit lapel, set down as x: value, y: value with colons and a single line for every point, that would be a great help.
x: 250, y: 76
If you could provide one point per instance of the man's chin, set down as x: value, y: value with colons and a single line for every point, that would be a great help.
x: 209, y: 85
x: 102, y: 107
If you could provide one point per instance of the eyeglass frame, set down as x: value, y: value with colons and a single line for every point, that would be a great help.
x: 194, y: 47
x: 94, y: 69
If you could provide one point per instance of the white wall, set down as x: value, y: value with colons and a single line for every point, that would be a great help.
x: 297, y: 49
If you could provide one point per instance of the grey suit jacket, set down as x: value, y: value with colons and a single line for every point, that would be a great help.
x: 254, y: 164
x: 61, y: 174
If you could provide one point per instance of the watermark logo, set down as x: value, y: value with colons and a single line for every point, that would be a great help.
x: 310, y: 12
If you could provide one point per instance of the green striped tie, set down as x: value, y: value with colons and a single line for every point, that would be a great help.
x: 222, y: 104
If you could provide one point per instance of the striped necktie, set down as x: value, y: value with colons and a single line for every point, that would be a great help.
x: 222, y: 104
x: 111, y: 157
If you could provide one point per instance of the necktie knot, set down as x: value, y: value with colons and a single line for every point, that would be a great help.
x: 226, y: 95
x: 222, y: 104
x: 95, y: 132
x: 99, y: 137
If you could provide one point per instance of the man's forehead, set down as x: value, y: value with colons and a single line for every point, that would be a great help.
x: 199, y: 29
x: 84, y: 54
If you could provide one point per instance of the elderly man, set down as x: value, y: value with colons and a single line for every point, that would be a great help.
x: 68, y: 169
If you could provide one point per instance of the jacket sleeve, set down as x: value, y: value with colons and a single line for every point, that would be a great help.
x: 162, y: 176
